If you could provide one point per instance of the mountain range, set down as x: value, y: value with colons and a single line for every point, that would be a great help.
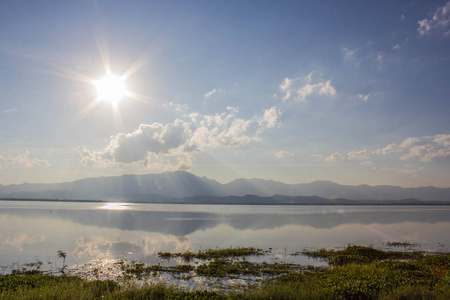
x: 186, y: 187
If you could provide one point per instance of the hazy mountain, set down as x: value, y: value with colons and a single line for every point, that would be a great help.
x: 129, y: 187
x: 159, y: 187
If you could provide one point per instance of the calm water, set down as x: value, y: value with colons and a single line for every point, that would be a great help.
x: 32, y: 231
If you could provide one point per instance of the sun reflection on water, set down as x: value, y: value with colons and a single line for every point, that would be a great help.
x: 115, y: 206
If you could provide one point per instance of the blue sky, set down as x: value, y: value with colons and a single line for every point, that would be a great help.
x: 355, y: 92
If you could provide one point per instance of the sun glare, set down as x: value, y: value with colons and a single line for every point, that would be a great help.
x: 112, y: 89
x: 115, y: 206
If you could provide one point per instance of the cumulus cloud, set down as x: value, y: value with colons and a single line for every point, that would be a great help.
x: 233, y: 109
x: 148, y: 138
x: 425, y: 148
x: 439, y: 22
x: 335, y: 157
x: 361, y: 154
x: 442, y: 139
x: 426, y: 153
x: 173, y: 145
x: 303, y: 87
x: 22, y: 160
x: 389, y: 149
x: 271, y: 117
x: 283, y: 154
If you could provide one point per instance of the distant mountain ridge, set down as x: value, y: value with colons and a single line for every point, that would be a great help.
x: 182, y: 184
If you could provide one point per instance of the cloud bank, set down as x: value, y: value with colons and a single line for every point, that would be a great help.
x: 22, y: 160
x: 283, y: 154
x: 424, y: 149
x: 173, y: 146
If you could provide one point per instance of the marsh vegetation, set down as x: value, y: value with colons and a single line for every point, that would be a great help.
x: 356, y: 272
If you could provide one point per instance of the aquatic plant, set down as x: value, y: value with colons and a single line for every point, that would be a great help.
x: 359, y: 273
x: 63, y: 255
x: 359, y: 254
x: 214, y: 253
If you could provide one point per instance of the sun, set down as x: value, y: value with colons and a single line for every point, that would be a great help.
x: 111, y: 88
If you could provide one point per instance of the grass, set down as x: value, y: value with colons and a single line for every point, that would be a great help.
x: 360, y: 255
x: 355, y: 272
x: 401, y: 244
x: 214, y: 253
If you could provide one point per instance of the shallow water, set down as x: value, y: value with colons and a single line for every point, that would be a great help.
x: 92, y: 232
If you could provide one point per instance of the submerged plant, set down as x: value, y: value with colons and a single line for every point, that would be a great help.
x: 63, y: 255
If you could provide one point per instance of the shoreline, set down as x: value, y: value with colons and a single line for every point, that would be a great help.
x: 331, y: 202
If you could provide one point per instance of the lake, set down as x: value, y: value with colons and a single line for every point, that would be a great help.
x: 34, y: 231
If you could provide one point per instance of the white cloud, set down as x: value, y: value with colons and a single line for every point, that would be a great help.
x: 283, y: 154
x: 442, y: 139
x: 148, y: 138
x: 426, y: 153
x: 396, y: 47
x: 362, y: 154
x: 271, y: 117
x: 389, y: 149
x: 380, y: 60
x: 177, y: 106
x: 22, y: 160
x: 402, y: 17
x: 304, y: 87
x: 212, y: 92
x: 232, y: 109
x: 440, y: 21
x: 285, y: 85
x: 335, y: 157
x: 286, y: 96
x: 233, y: 133
x: 348, y: 54
x: 194, y: 116
x: 366, y: 97
x: 409, y: 142
x: 172, y: 146
x: 327, y: 88
x: 425, y: 148
x: 209, y: 94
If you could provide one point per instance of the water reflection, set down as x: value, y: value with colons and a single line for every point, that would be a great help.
x: 137, y: 231
x: 180, y: 223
